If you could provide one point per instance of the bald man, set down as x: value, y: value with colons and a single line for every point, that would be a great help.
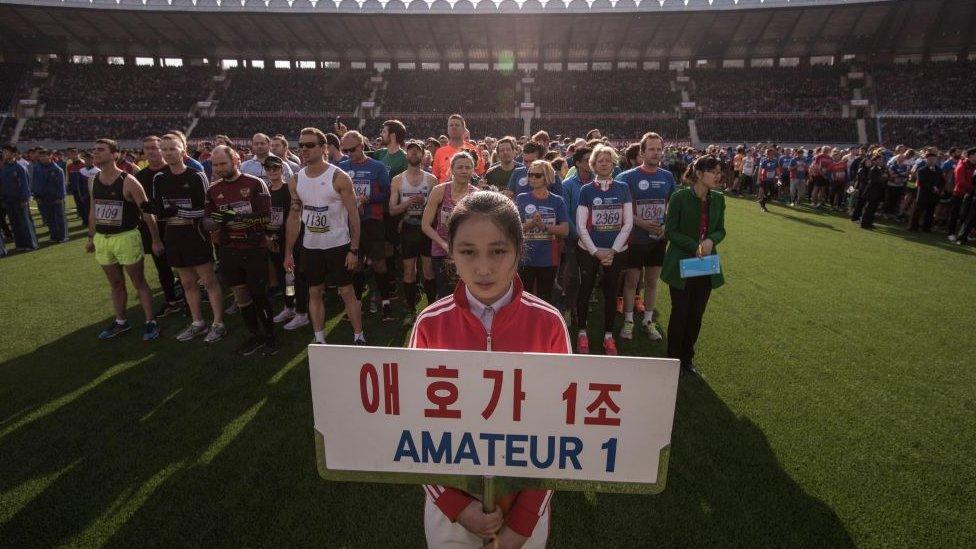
x: 261, y: 148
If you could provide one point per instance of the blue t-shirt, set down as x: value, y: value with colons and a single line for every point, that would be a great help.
x: 541, y: 247
x: 767, y: 169
x: 606, y: 217
x: 518, y: 182
x: 193, y: 164
x: 784, y: 163
x: 650, y: 192
x: 372, y: 180
x: 571, y: 192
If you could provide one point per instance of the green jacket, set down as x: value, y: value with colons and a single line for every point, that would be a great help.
x: 681, y: 228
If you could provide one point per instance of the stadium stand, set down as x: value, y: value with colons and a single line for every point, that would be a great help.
x: 446, y: 91
x: 780, y: 129
x: 930, y: 87
x: 88, y: 127
x: 293, y: 90
x: 11, y: 79
x: 123, y: 88
x: 620, y: 91
x: 769, y: 90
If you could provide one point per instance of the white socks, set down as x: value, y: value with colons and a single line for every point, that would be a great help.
x: 320, y: 336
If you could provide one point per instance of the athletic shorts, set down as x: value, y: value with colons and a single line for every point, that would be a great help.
x: 819, y: 181
x: 321, y: 266
x: 372, y: 240
x: 769, y: 186
x: 391, y: 226
x: 118, y: 249
x: 413, y: 242
x: 187, y: 246
x: 649, y: 254
x: 244, y: 267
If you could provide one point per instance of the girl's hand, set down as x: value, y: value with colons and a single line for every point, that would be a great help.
x: 705, y: 248
x: 507, y: 539
x: 479, y: 523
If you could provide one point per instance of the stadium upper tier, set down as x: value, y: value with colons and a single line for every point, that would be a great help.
x: 506, y: 33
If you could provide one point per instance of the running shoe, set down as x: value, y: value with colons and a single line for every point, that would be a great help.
x: 115, y: 329
x: 582, y: 344
x: 250, y: 346
x: 191, y: 331
x: 651, y: 330
x: 285, y: 315
x: 387, y: 312
x: 216, y: 333
x: 151, y: 331
x: 297, y: 322
x: 232, y: 310
x: 609, y: 346
x: 271, y: 347
x: 361, y: 340
x: 627, y: 331
x: 373, y: 308
x: 169, y: 308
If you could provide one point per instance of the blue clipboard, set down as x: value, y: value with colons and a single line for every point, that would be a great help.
x: 705, y: 266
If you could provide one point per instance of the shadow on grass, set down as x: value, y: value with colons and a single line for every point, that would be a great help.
x: 123, y: 442
x: 934, y: 239
x: 809, y: 222
x: 725, y: 488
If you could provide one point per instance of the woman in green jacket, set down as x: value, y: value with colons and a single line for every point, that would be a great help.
x: 692, y: 233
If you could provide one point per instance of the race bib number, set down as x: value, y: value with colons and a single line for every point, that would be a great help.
x: 316, y: 219
x: 179, y: 203
x: 445, y: 215
x: 651, y: 210
x: 416, y: 210
x: 548, y: 219
x: 108, y: 212
x: 362, y: 189
x: 277, y: 217
x: 607, y: 217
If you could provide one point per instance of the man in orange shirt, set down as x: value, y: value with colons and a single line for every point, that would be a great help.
x: 456, y: 130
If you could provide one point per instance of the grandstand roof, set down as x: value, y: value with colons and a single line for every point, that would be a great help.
x: 465, y: 30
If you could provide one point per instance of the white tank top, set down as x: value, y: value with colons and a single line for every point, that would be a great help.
x: 323, y: 213
x: 407, y: 190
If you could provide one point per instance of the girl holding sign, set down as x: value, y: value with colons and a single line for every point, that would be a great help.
x: 694, y: 226
x: 605, y: 217
x: 487, y: 311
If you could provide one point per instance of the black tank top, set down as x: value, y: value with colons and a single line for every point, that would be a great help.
x: 113, y: 213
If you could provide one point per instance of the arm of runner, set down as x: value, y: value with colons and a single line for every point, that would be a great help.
x: 132, y: 190
x: 343, y: 185
x: 624, y: 235
x: 90, y: 244
x: 430, y: 214
x: 397, y: 207
x: 582, y: 215
x: 561, y: 228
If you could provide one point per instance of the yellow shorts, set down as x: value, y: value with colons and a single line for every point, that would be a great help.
x: 122, y: 248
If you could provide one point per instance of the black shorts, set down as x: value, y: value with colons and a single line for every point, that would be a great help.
x: 819, y: 181
x: 320, y: 266
x: 391, y: 225
x: 413, y: 242
x: 769, y: 187
x: 187, y: 246
x: 372, y: 240
x: 244, y: 266
x: 650, y: 254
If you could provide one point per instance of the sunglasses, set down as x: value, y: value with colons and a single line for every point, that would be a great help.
x: 349, y: 151
x: 308, y: 145
x: 535, y: 174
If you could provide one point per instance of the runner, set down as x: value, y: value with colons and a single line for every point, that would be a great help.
x: 279, y: 148
x: 408, y: 196
x: 605, y: 218
x: 437, y: 212
x: 838, y: 181
x: 819, y: 169
x: 261, y: 148
x: 497, y: 176
x: 650, y: 187
x: 518, y: 182
x: 454, y: 143
x: 545, y: 221
x: 393, y: 135
x: 295, y: 312
x: 798, y: 177
x: 113, y: 237
x: 323, y: 200
x: 768, y: 176
x: 167, y: 280
x: 371, y: 180
x: 180, y: 197
x: 240, y: 206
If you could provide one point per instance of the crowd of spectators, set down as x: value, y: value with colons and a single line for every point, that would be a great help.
x: 618, y: 91
x: 671, y: 128
x: 434, y: 126
x: 293, y: 90
x: 447, y: 91
x: 246, y: 126
x: 788, y: 129
x: 920, y: 132
x: 89, y: 128
x: 11, y: 78
x: 124, y: 88
x: 814, y: 89
x: 927, y: 87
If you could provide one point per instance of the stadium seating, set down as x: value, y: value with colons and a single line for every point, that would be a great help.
x: 11, y: 78
x: 768, y: 90
x: 933, y: 87
x: 671, y: 128
x: 920, y: 132
x: 448, y: 92
x: 620, y: 91
x: 246, y: 125
x: 785, y: 129
x: 293, y: 90
x: 121, y: 88
x: 91, y: 127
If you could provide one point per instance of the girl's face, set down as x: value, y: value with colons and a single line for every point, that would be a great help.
x: 463, y: 170
x: 485, y: 258
x: 711, y: 178
x: 604, y: 165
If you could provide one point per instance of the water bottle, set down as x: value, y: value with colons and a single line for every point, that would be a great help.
x: 290, y: 284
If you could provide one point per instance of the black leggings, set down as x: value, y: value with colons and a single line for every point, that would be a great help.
x: 609, y: 281
x: 538, y: 281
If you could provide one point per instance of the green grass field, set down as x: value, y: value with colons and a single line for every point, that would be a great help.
x: 838, y: 408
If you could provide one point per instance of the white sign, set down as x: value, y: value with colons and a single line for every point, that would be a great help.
x: 368, y: 104
x: 683, y: 79
x: 688, y: 104
x: 527, y: 106
x: 855, y: 75
x: 859, y: 102
x: 539, y: 416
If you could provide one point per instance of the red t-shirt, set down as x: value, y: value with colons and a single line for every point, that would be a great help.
x: 245, y: 195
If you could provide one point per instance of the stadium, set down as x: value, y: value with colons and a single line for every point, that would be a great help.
x: 830, y: 402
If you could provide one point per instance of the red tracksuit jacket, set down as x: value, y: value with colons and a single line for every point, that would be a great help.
x: 526, y: 324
